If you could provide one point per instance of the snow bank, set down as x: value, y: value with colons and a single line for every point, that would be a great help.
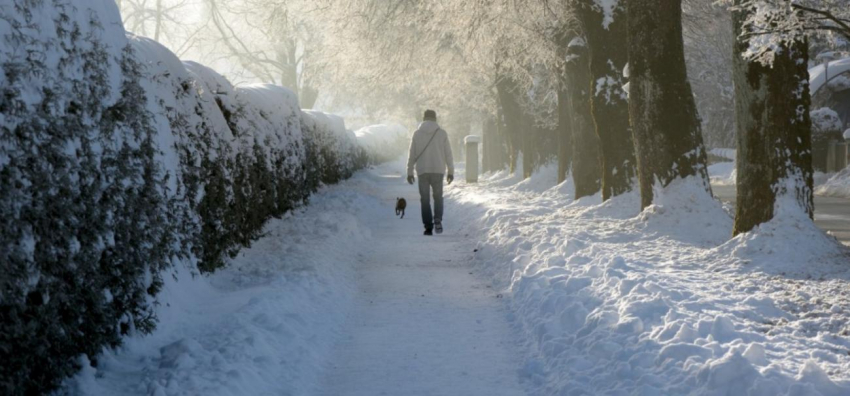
x: 264, y: 324
x: 383, y: 142
x: 836, y: 186
x: 726, y: 174
x: 723, y: 173
x: 612, y: 300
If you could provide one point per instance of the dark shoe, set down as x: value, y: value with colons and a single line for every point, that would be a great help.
x: 438, y: 227
x: 428, y: 232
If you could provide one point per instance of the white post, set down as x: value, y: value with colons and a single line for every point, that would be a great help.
x: 471, y: 143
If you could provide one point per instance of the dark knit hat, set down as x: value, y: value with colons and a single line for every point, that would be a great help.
x: 430, y: 115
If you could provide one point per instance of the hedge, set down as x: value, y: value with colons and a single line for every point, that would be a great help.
x: 117, y: 162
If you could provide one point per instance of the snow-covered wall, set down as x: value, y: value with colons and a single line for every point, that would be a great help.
x: 117, y: 162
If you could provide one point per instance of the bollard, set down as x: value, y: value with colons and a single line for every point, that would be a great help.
x: 471, y: 143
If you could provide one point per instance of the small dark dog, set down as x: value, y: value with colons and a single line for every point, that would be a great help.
x: 400, y: 205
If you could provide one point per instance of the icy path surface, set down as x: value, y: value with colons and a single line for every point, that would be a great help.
x: 422, y: 323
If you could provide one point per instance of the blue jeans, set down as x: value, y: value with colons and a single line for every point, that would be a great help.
x: 429, y: 182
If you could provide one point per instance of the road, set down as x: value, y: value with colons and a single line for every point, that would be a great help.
x: 831, y: 214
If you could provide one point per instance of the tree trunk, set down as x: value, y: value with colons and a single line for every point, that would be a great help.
x: 495, y: 156
x: 565, y: 136
x: 773, y: 131
x: 308, y: 96
x: 158, y: 21
x: 664, y: 119
x: 606, y: 38
x: 487, y: 140
x: 529, y: 137
x: 513, y: 118
x: 586, y: 157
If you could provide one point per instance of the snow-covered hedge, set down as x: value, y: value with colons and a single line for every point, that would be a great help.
x: 383, y: 143
x: 85, y: 229
x: 333, y: 150
x: 118, y: 161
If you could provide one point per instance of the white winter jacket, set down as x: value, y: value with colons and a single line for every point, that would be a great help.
x: 434, y: 158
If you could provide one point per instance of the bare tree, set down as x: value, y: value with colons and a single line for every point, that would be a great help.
x: 272, y: 40
x: 162, y: 20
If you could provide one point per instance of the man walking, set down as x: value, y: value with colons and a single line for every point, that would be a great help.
x: 431, y: 154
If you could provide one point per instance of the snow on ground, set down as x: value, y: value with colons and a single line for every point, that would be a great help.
x: 838, y: 185
x: 526, y: 290
x: 618, y: 302
x: 423, y: 324
x: 723, y: 173
x: 263, y: 325
x: 340, y: 298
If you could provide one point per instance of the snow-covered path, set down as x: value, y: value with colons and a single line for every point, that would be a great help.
x: 422, y: 323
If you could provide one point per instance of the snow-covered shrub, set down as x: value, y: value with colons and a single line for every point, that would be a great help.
x: 383, y: 143
x: 826, y: 121
x: 85, y: 228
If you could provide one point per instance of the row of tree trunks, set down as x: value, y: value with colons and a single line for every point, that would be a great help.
x: 606, y: 139
x: 606, y: 39
x: 664, y: 120
x: 774, y: 136
x: 513, y: 119
x: 586, y: 155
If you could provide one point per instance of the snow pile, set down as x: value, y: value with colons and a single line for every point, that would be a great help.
x: 612, y: 300
x: 726, y: 174
x: 837, y: 186
x: 383, y: 142
x: 541, y: 180
x: 723, y: 173
x: 262, y: 325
